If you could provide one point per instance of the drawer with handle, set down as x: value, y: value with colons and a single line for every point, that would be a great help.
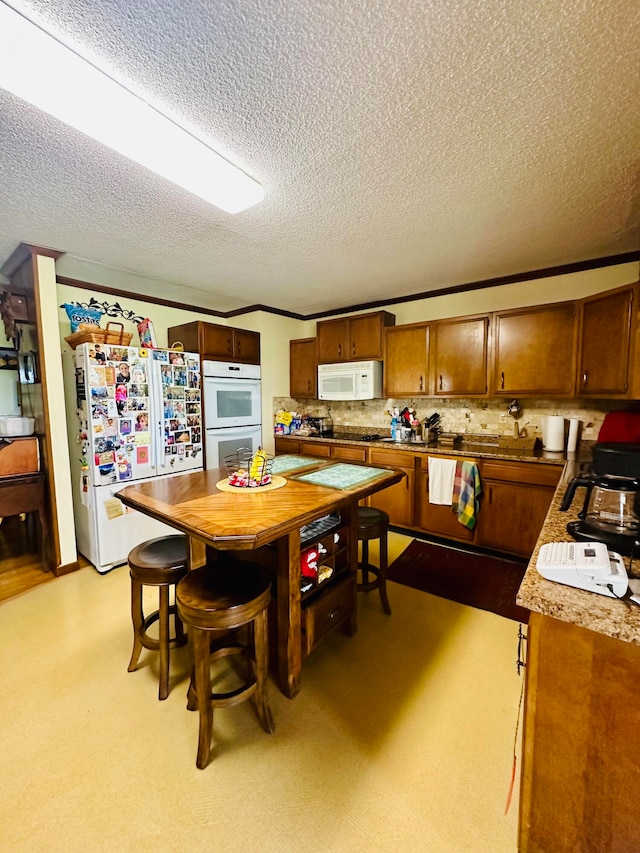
x: 334, y: 606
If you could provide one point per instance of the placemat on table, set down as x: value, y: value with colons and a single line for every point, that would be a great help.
x: 291, y: 462
x: 342, y: 476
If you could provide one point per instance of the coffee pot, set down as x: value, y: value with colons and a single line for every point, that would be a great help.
x: 610, y: 512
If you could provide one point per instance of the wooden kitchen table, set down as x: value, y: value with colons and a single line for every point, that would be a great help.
x: 246, y: 519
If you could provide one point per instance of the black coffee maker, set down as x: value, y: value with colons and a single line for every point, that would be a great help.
x: 611, y: 508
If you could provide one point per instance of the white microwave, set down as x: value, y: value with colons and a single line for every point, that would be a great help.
x: 355, y: 380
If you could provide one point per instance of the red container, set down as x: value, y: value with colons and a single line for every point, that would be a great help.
x: 620, y: 427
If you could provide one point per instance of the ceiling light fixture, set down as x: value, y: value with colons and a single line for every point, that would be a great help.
x: 41, y: 70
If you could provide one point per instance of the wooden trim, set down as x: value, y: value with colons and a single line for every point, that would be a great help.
x: 169, y: 303
x: 22, y: 253
x: 58, y: 571
x: 532, y: 275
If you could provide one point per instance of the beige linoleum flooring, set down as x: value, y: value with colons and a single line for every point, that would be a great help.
x: 400, y: 740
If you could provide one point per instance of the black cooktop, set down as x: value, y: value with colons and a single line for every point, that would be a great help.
x: 349, y: 436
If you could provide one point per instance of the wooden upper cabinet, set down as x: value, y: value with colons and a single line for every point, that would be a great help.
x: 406, y: 357
x: 607, y: 341
x: 221, y: 343
x: 535, y: 351
x: 357, y: 338
x: 303, y: 367
x: 459, y: 356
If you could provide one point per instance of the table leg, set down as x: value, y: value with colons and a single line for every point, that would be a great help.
x: 350, y: 515
x: 288, y: 614
x: 197, y: 553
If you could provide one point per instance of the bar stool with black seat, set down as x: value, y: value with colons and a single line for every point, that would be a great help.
x: 374, y: 524
x: 214, y: 602
x: 161, y: 563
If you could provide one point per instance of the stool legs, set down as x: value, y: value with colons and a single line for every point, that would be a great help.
x: 141, y: 640
x: 137, y: 618
x: 379, y: 580
x: 200, y: 696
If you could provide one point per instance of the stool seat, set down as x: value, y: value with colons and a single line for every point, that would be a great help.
x: 223, y: 597
x: 373, y: 523
x: 161, y: 563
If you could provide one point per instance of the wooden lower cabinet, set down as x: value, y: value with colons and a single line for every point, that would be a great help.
x: 438, y: 519
x: 580, y: 775
x: 398, y: 501
x: 515, y: 501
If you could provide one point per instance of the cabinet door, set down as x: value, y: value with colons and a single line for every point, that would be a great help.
x: 582, y: 701
x: 314, y: 448
x: 397, y: 501
x: 406, y: 355
x: 535, y: 350
x: 217, y: 341
x: 188, y: 334
x: 246, y: 346
x: 605, y: 344
x: 365, y: 337
x: 333, y: 341
x: 438, y: 519
x: 512, y: 515
x: 303, y: 368
x: 459, y: 351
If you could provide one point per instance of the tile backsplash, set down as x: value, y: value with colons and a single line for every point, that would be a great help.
x: 460, y: 415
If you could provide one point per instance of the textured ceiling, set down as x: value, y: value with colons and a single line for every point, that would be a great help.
x: 403, y: 146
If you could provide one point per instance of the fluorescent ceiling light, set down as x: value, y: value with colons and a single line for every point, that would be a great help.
x: 40, y: 70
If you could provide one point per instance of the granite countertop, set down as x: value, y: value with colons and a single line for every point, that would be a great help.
x: 616, y: 618
x: 476, y: 446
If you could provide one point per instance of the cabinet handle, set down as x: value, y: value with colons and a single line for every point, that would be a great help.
x: 585, y: 377
x: 421, y: 388
x: 490, y: 494
x: 522, y: 638
x: 339, y: 350
x: 441, y: 382
x: 502, y: 380
x: 229, y: 349
x: 334, y: 613
x: 353, y: 348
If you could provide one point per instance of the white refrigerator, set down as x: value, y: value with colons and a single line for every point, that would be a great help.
x: 138, y: 416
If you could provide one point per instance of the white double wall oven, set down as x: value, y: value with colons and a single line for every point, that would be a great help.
x: 232, y: 409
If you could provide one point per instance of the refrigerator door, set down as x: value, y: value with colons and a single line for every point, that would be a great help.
x: 143, y: 412
x: 116, y: 529
x: 118, y: 403
x: 177, y: 411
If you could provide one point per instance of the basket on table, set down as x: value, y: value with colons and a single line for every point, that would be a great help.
x: 247, y: 469
x: 113, y: 333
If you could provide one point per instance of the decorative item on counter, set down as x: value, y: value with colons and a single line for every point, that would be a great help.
x: 283, y: 422
x: 249, y: 470
x: 147, y: 334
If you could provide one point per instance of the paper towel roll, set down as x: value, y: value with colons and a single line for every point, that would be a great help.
x: 553, y: 439
x: 572, y: 441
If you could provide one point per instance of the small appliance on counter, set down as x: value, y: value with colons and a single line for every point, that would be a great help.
x: 319, y: 426
x: 611, y: 507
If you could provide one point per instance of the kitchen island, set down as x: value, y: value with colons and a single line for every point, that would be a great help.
x: 246, y: 520
x: 580, y: 778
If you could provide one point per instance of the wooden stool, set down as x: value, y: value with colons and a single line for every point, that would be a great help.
x: 160, y: 562
x: 221, y: 597
x: 374, y: 524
